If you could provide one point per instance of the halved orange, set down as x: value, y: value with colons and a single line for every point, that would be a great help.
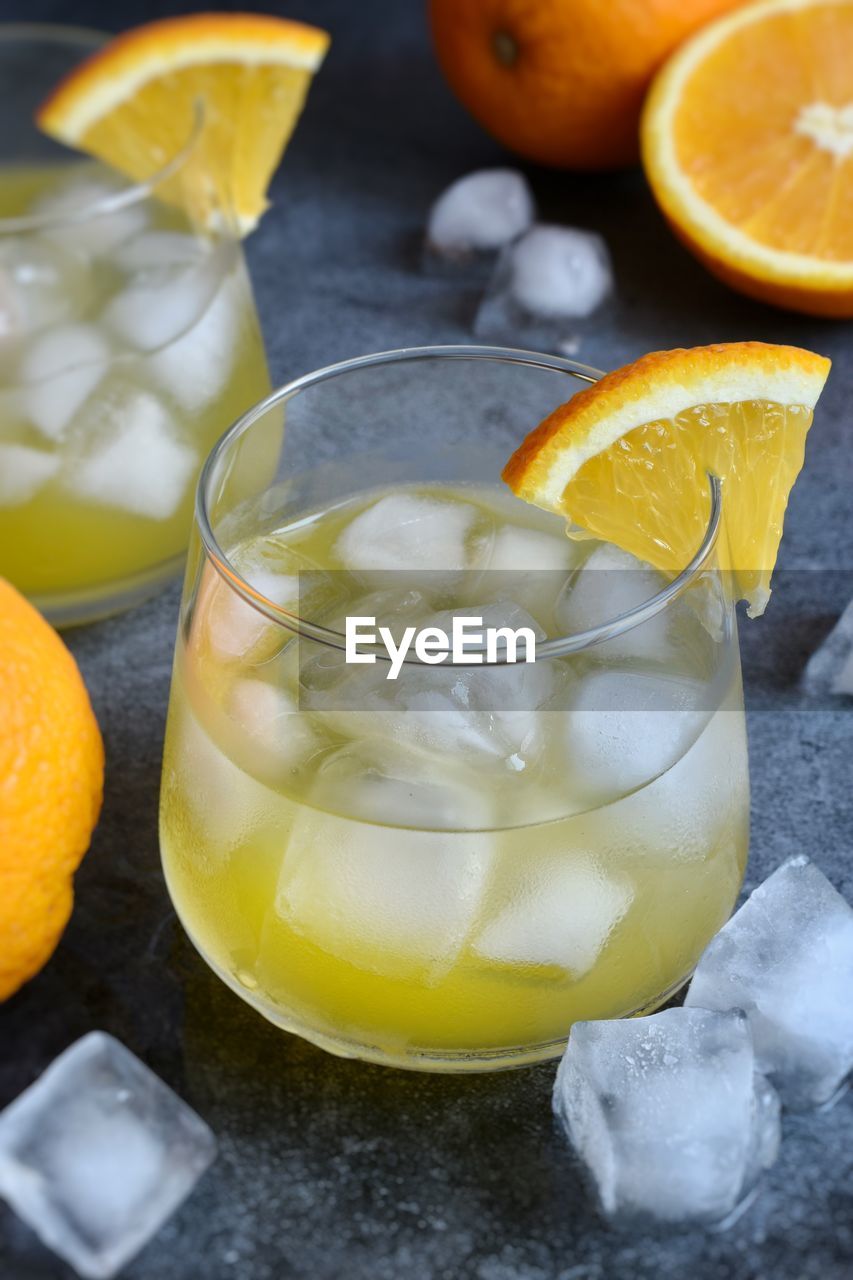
x: 747, y: 141
x: 628, y: 459
x: 135, y: 103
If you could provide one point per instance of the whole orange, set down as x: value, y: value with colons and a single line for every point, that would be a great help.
x: 51, y: 779
x: 562, y: 82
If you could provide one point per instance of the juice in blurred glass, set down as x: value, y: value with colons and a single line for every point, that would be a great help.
x: 128, y: 342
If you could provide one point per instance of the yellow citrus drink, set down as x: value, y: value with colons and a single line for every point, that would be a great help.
x: 128, y: 343
x: 447, y: 869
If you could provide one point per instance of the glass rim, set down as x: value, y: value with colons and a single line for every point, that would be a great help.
x: 559, y: 646
x: 90, y: 39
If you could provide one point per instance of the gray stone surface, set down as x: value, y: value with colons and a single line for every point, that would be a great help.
x: 329, y: 1168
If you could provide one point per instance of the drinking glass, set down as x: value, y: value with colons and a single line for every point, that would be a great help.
x: 444, y: 870
x: 128, y: 342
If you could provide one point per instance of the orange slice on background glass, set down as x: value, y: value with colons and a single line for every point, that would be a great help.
x: 628, y: 459
x: 747, y: 142
x: 239, y: 79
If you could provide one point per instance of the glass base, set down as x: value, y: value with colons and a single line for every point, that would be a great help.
x: 92, y: 604
x: 412, y: 1057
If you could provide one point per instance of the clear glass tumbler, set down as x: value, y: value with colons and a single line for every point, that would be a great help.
x: 443, y: 870
x: 128, y: 342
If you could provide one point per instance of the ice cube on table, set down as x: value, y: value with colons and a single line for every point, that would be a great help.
x: 101, y: 224
x: 623, y: 729
x: 830, y: 668
x: 40, y: 284
x: 611, y: 582
x: 98, y: 1154
x: 23, y: 471
x: 550, y: 278
x: 561, y: 912
x: 786, y: 958
x: 560, y: 271
x: 669, y: 1114
x: 410, y: 533
x: 60, y: 369
x: 133, y: 460
x: 399, y: 903
x: 482, y: 211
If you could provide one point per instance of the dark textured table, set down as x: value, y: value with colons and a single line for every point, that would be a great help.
x: 333, y: 1169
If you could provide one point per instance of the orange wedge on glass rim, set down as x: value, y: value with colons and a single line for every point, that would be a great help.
x: 226, y: 89
x: 747, y: 142
x: 628, y: 459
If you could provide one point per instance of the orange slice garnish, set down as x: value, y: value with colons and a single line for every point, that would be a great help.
x: 240, y: 78
x: 628, y: 459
